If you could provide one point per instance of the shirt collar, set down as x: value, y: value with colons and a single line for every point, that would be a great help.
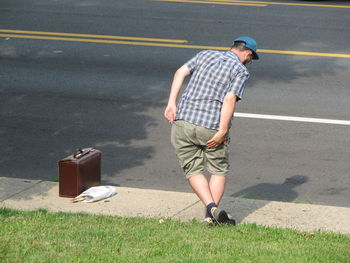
x: 235, y: 57
x: 232, y: 55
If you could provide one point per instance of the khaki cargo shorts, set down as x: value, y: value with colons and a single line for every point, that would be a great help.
x: 189, y: 141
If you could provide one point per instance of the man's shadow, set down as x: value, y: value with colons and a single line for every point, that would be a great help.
x: 274, y: 192
x: 243, y: 204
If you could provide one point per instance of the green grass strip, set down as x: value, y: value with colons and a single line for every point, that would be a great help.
x: 41, y: 236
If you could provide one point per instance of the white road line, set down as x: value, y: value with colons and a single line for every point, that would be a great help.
x: 291, y: 118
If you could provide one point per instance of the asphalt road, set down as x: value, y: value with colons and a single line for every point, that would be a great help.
x: 59, y: 92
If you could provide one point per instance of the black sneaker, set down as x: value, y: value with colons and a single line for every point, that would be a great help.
x: 221, y: 217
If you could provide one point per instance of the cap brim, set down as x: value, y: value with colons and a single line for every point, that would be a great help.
x: 255, y: 56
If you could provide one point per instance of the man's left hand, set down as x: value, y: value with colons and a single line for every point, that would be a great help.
x: 217, y: 140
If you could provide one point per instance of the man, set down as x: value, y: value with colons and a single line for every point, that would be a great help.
x: 202, y: 118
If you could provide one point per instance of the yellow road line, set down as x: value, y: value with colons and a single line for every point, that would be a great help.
x: 288, y: 4
x: 211, y: 2
x: 93, y: 36
x: 303, y: 53
x: 268, y: 51
x: 252, y: 3
x: 93, y: 40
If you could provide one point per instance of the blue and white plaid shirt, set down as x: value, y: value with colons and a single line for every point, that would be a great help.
x: 214, y: 74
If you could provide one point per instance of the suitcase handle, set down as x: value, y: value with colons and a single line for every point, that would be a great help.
x: 78, y: 153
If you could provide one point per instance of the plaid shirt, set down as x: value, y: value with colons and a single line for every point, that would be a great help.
x: 214, y: 74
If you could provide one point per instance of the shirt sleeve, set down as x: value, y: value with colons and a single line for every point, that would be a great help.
x: 193, y: 63
x: 238, y: 83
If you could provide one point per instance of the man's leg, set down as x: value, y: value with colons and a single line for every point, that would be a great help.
x: 201, y: 187
x: 211, y: 192
x: 217, y: 187
x: 217, y: 164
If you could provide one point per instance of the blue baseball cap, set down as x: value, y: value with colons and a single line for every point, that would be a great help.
x: 249, y: 43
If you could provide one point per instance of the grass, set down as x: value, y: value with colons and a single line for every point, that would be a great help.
x: 55, y: 179
x: 40, y: 236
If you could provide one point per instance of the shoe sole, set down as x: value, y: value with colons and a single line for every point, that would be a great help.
x: 208, y: 223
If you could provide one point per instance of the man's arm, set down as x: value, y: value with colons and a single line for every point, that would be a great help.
x: 178, y: 80
x: 227, y: 110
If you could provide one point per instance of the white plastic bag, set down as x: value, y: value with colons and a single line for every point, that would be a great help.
x: 95, y: 193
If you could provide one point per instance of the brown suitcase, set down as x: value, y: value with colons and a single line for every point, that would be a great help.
x: 79, y: 172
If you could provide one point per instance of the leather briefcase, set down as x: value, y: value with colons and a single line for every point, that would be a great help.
x: 79, y: 172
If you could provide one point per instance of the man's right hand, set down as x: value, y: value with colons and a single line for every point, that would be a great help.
x: 170, y: 113
x: 179, y: 78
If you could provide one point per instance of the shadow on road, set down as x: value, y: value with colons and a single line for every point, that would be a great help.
x: 52, y: 104
x: 278, y: 192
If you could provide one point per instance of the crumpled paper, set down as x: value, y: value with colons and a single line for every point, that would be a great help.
x: 95, y: 193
